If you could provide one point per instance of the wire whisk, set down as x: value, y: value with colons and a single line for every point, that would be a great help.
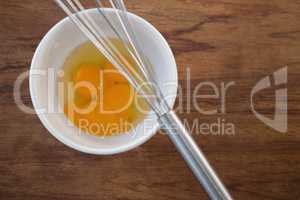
x: 138, y: 75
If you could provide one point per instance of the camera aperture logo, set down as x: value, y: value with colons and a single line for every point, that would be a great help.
x: 279, y: 122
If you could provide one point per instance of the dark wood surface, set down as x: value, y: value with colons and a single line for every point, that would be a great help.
x: 220, y: 41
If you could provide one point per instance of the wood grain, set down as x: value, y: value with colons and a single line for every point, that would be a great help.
x: 220, y: 41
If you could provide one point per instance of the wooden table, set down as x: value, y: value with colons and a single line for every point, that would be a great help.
x: 220, y: 41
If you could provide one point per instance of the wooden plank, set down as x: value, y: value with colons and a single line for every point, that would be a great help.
x: 220, y: 41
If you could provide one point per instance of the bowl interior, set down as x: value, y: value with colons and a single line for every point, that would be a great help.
x: 50, y: 56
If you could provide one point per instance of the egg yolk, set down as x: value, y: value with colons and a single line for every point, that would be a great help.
x: 111, y: 94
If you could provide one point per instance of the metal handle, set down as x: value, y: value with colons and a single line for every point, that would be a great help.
x: 194, y: 157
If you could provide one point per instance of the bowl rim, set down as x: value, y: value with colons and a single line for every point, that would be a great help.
x: 75, y: 145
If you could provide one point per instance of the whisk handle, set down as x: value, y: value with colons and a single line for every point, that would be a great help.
x: 194, y: 157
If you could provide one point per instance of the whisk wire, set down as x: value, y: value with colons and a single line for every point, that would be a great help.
x: 129, y: 47
x: 139, y: 56
x: 115, y: 56
x: 106, y: 41
x: 84, y: 26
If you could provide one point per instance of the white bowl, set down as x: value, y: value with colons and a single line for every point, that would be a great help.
x: 51, y: 54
